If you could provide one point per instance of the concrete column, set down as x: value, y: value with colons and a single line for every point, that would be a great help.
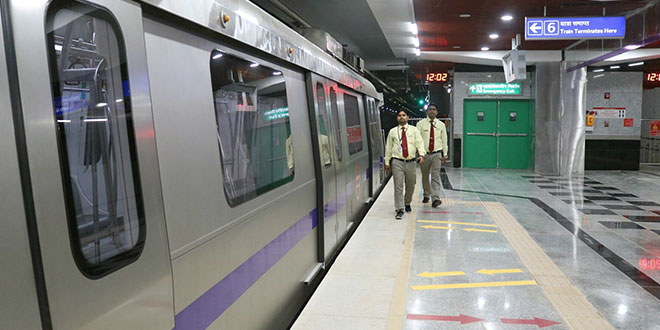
x: 548, y: 121
x: 574, y: 105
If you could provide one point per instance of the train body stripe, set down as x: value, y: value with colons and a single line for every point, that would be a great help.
x: 210, y: 305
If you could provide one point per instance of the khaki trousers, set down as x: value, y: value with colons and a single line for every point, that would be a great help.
x: 431, y: 165
x: 403, y: 172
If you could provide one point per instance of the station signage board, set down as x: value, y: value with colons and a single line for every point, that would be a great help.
x: 276, y: 114
x: 560, y: 28
x: 495, y: 89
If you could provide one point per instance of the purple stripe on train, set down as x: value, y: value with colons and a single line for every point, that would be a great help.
x: 209, y: 306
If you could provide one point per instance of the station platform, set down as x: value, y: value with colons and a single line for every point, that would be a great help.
x: 506, y: 249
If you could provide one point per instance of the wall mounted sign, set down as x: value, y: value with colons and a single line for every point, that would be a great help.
x: 495, y: 89
x: 436, y: 77
x: 654, y: 128
x: 609, y: 112
x: 559, y: 28
x: 628, y: 122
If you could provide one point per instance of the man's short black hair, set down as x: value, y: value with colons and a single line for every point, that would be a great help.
x: 400, y: 111
x: 433, y: 105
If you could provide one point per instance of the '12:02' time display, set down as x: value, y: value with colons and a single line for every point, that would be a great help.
x: 440, y: 77
x: 653, y: 77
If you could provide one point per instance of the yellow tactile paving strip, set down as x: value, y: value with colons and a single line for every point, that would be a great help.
x: 570, y: 303
x: 397, y: 306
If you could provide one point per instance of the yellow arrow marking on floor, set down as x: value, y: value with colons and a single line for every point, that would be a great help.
x: 466, y: 229
x: 432, y: 275
x: 458, y: 223
x: 498, y: 271
x: 472, y: 285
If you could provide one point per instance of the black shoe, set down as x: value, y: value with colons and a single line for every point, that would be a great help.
x: 399, y: 214
x: 425, y: 200
x: 436, y: 203
x: 408, y: 208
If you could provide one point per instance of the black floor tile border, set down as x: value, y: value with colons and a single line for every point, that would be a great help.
x: 643, y: 280
x: 620, y: 225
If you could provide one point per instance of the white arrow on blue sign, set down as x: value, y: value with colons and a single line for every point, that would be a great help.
x: 559, y: 28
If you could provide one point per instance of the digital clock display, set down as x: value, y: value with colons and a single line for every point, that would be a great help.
x: 653, y: 77
x: 441, y: 77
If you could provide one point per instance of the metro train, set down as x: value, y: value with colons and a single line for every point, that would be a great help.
x: 173, y: 164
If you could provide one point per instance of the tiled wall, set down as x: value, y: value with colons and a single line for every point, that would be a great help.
x: 650, y: 145
x: 625, y: 91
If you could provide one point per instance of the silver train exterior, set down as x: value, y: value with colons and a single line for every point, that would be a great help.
x: 173, y: 164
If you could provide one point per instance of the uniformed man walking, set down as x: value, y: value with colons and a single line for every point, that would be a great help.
x: 434, y: 134
x: 403, y: 143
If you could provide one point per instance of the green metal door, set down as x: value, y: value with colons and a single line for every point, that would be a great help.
x: 479, y: 133
x: 514, y: 134
x: 496, y: 134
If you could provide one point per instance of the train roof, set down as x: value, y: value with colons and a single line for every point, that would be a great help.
x: 250, y: 25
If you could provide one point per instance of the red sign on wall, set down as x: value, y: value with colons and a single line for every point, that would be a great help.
x: 628, y: 122
x: 354, y: 134
x: 655, y: 128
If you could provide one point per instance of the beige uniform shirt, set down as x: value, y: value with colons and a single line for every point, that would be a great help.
x: 393, y: 146
x: 289, y: 153
x: 440, y: 134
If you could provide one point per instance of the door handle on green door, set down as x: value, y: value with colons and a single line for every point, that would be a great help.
x: 512, y: 134
x: 482, y: 134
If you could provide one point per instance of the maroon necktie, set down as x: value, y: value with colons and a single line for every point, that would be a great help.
x: 432, y: 140
x: 404, y: 142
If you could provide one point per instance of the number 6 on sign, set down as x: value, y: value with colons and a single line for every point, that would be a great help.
x: 551, y: 28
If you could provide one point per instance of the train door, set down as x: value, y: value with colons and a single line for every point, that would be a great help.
x: 91, y: 153
x: 338, y: 157
x: 326, y: 164
x: 19, y: 307
x: 375, y: 147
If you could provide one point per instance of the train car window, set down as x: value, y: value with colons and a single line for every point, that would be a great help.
x: 335, y: 120
x: 324, y: 143
x: 254, y: 134
x: 353, y: 124
x: 96, y: 140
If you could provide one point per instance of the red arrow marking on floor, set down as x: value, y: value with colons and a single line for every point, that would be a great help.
x: 541, y: 323
x: 441, y: 212
x: 464, y: 319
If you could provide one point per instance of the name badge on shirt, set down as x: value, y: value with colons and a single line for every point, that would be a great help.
x: 400, y: 148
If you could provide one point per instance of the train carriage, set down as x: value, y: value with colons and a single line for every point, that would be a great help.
x: 174, y: 165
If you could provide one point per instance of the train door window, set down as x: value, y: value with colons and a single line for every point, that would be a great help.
x: 335, y: 120
x: 96, y: 141
x: 254, y: 134
x: 324, y: 143
x: 353, y: 124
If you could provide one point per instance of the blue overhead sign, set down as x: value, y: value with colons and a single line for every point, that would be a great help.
x: 558, y: 28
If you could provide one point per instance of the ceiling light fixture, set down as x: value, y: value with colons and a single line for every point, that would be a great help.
x: 494, y: 36
x: 615, y: 67
x: 416, y: 42
x: 598, y: 76
x: 254, y: 65
x: 466, y: 15
x: 413, y: 28
x: 417, y: 52
x: 456, y: 47
x: 599, y: 70
x: 277, y: 73
x: 507, y: 17
x: 636, y: 64
x: 216, y: 56
x: 632, y: 47
x: 484, y: 48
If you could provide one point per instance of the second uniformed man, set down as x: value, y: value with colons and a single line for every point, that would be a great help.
x: 434, y: 134
x: 403, y: 143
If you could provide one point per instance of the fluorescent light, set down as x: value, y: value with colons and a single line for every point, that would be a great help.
x: 466, y: 15
x: 632, y: 47
x: 64, y: 120
x: 417, y: 52
x: 599, y: 75
x: 277, y: 73
x: 102, y: 104
x: 457, y: 47
x: 95, y: 119
x: 217, y: 56
x: 413, y: 28
x: 254, y: 65
x: 615, y: 67
x: 416, y: 42
x: 119, y: 100
x: 507, y: 17
x: 636, y: 64
x: 58, y: 48
x: 485, y: 48
x: 494, y: 36
x: 599, y: 70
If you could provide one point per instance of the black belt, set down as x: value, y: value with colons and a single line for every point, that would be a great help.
x: 435, y: 152
x: 404, y: 160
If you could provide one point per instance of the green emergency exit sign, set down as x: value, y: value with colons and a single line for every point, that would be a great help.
x: 495, y: 89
